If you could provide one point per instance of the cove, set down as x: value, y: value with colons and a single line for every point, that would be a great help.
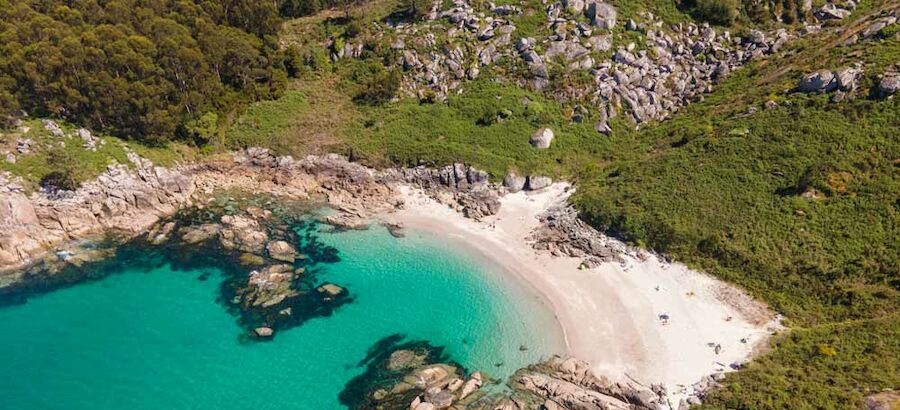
x: 149, y: 336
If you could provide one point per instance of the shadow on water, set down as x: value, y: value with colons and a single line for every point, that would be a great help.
x: 358, y: 392
x: 139, y: 256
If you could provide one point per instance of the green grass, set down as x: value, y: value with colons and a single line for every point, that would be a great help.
x: 265, y: 123
x: 467, y: 128
x: 830, y: 367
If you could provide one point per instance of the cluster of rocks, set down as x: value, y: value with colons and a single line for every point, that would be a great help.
x: 835, y: 11
x: 129, y: 201
x: 562, y: 233
x: 700, y: 389
x: 842, y: 81
x: 846, y: 80
x: 569, y: 383
x: 675, y: 66
x: 556, y: 384
x: 478, y: 39
x: 54, y: 128
x: 463, y: 187
x: 435, y: 386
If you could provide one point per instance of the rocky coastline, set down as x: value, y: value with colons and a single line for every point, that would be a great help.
x: 413, y: 376
x: 272, y: 283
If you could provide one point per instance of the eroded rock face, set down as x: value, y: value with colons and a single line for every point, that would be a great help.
x: 121, y: 200
x: 129, y: 201
x: 570, y: 384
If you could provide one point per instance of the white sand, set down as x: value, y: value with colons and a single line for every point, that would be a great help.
x: 610, y: 314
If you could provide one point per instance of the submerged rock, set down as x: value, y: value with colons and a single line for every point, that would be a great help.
x: 330, y: 290
x: 263, y: 332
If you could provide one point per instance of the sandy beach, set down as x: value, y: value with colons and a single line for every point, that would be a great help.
x: 610, y: 314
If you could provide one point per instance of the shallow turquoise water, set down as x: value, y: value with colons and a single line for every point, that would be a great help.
x: 150, y: 337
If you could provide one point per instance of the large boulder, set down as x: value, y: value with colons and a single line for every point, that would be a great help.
x: 542, y: 138
x: 513, y: 182
x: 819, y: 81
x: 847, y: 78
x: 602, y: 15
x: 282, y: 251
x: 889, y: 84
x: 832, y: 12
x: 536, y: 182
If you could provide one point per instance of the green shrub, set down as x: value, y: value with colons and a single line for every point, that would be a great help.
x: 720, y: 12
x: 65, y: 172
x: 380, y: 88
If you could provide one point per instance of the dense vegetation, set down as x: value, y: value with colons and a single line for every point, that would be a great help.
x: 137, y: 68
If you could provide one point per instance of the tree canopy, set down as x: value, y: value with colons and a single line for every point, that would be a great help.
x: 137, y: 68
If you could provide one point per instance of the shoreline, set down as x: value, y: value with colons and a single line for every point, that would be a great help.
x: 609, y: 303
x: 609, y: 314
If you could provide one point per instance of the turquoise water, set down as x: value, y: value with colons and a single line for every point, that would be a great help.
x: 147, y: 336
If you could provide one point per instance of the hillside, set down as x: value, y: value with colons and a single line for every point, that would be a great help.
x: 724, y: 146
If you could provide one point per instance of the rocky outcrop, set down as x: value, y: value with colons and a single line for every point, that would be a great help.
x: 562, y: 233
x: 673, y: 66
x: 123, y: 201
x: 268, y: 288
x: 558, y: 383
x: 465, y: 188
x: 129, y: 201
x: 569, y: 383
x: 844, y: 79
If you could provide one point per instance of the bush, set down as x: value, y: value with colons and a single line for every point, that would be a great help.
x: 380, y: 88
x: 65, y: 175
x: 720, y: 12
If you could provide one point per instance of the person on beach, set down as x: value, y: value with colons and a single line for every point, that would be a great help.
x: 664, y: 318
